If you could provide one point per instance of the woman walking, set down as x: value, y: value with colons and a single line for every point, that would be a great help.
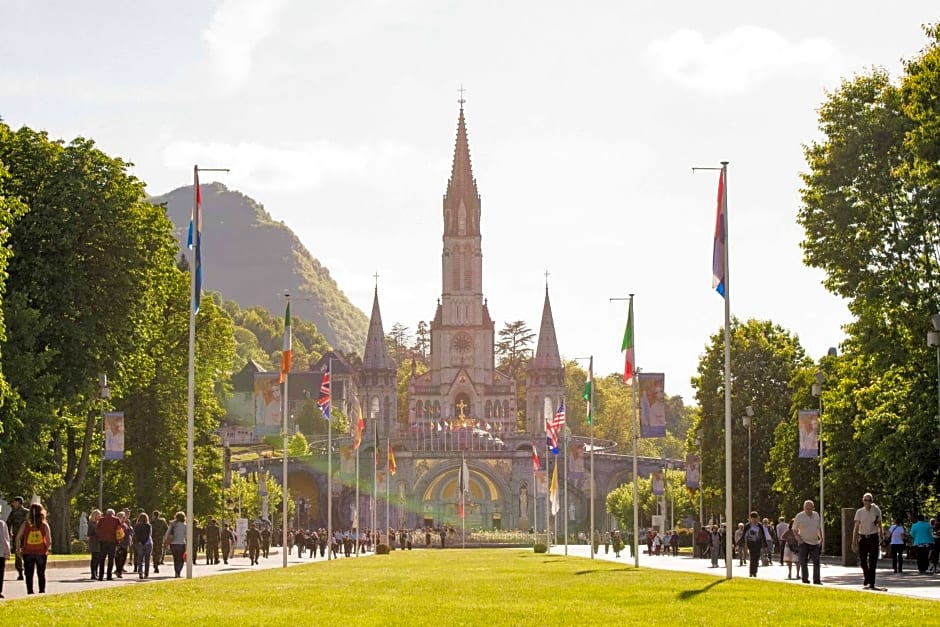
x: 4, y: 551
x: 33, y: 541
x: 94, y: 546
x: 176, y: 540
x: 143, y: 545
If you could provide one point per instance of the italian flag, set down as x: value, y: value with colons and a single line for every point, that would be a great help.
x: 587, y: 390
x: 629, y: 366
x: 285, y: 352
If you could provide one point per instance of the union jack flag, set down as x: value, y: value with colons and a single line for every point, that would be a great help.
x: 553, y: 426
x: 324, y: 402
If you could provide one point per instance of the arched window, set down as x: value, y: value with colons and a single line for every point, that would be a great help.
x: 462, y: 219
x: 547, y: 411
x: 488, y: 409
x: 374, y: 408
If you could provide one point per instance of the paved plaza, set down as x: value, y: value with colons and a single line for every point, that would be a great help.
x: 65, y: 577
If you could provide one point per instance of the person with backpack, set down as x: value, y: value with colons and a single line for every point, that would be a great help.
x: 33, y: 541
x: 755, y: 540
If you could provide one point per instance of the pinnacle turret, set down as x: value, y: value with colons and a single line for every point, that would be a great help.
x: 547, y: 356
x: 462, y: 200
x: 375, y: 356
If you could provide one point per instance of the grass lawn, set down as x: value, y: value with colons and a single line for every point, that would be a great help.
x: 474, y: 587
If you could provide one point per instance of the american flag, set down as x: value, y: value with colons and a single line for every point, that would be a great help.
x: 324, y: 402
x: 553, y: 426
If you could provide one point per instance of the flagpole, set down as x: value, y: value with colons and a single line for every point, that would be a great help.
x: 357, y: 525
x: 565, y: 488
x: 591, y: 416
x: 548, y: 498
x: 463, y: 513
x: 388, y: 480
x: 727, y: 297
x: 329, y: 469
x: 194, y: 255
x: 284, y: 492
x: 375, y: 480
x: 535, y: 498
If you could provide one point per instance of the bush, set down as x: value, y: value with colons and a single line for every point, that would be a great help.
x: 78, y: 546
x: 382, y: 549
x: 541, y: 548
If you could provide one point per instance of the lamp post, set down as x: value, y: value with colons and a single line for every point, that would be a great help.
x: 701, y: 508
x: 933, y: 340
x: 747, y: 420
x: 104, y: 393
x: 817, y: 392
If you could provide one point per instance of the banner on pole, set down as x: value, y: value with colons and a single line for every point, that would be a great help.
x: 809, y: 433
x: 692, y: 472
x: 659, y: 482
x: 652, y: 404
x: 541, y: 483
x: 114, y: 435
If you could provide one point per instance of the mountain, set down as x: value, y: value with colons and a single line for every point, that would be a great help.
x: 253, y: 260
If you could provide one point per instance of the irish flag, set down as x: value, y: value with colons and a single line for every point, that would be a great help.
x: 629, y: 366
x: 285, y: 352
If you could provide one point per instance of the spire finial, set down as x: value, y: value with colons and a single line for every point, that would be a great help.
x: 376, y: 277
x: 547, y: 273
x: 461, y: 99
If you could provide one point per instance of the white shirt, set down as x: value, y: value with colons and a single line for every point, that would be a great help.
x: 869, y: 520
x: 807, y: 525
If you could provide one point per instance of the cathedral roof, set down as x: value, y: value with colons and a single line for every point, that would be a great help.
x: 375, y: 356
x: 547, y: 356
x: 462, y: 188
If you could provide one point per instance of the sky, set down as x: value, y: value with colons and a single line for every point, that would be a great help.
x: 585, y: 121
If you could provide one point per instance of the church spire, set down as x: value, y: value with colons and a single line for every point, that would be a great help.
x: 462, y: 200
x: 547, y: 356
x: 375, y: 356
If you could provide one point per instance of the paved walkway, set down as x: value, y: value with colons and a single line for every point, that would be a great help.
x: 908, y: 583
x: 69, y: 576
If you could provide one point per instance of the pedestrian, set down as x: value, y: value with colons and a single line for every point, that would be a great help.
x: 14, y: 522
x: 791, y: 548
x: 253, y: 539
x: 106, y: 530
x: 143, y: 544
x: 213, y: 535
x: 265, y: 539
x: 176, y: 541
x: 754, y: 540
x: 922, y: 539
x: 674, y: 543
x: 159, y: 529
x: 33, y: 541
x: 4, y: 551
x: 702, y: 541
x: 935, y: 549
x: 738, y: 534
x: 866, y: 538
x: 771, y: 533
x: 606, y: 542
x: 807, y: 525
x: 897, y: 535
x: 94, y: 546
x: 714, y: 544
x: 782, y: 528
x: 123, y: 535
x: 227, y: 541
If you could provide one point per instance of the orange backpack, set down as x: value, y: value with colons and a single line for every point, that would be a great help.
x: 34, y: 542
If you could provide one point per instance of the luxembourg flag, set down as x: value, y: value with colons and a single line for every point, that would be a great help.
x: 719, y: 251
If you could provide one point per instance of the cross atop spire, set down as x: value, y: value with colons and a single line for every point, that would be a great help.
x: 461, y: 100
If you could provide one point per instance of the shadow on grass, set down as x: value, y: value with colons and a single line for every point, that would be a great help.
x: 613, y: 570
x: 685, y: 595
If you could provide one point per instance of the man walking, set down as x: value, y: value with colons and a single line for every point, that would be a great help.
x: 782, y: 528
x: 106, y: 532
x: 14, y: 521
x: 754, y: 540
x: 808, y: 529
x: 866, y: 538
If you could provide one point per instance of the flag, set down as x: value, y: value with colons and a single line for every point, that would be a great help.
x: 194, y: 240
x: 392, y: 467
x: 719, y: 271
x: 286, y: 351
x: 553, y: 426
x: 360, y: 424
x: 535, y: 459
x: 587, y: 389
x: 630, y: 362
x: 324, y: 402
x: 114, y: 435
x: 553, y: 491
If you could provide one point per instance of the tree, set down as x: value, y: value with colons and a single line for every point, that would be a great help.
x: 765, y: 359
x: 513, y: 345
x: 88, y: 257
x: 422, y: 340
x: 397, y: 341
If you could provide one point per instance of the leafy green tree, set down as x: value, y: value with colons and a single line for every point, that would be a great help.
x: 297, y: 445
x: 514, y: 345
x: 764, y: 360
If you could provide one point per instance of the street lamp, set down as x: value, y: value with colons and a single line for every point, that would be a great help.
x: 701, y: 502
x: 747, y: 419
x: 817, y: 392
x: 933, y: 340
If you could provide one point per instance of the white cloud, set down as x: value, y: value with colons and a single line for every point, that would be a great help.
x: 236, y: 30
x: 291, y: 168
x: 736, y: 60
